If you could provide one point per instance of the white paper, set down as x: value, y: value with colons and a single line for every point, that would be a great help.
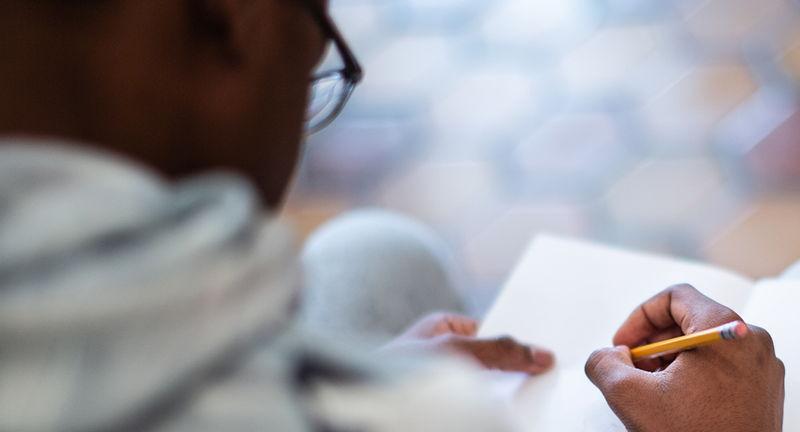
x: 571, y: 297
x: 775, y: 306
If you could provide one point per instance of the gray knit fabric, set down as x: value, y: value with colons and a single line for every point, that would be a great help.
x: 131, y: 304
x: 375, y: 272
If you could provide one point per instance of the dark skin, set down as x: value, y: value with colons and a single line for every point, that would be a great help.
x: 736, y: 387
x: 183, y: 86
x: 188, y: 86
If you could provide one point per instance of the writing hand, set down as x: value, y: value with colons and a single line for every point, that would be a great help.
x: 727, y: 386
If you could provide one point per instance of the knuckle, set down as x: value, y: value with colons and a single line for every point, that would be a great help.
x: 682, y: 288
x: 764, y: 338
x: 593, y: 362
x: 711, y: 315
x: 506, y: 343
x: 781, y: 368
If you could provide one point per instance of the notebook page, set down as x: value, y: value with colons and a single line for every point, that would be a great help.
x: 775, y: 306
x: 571, y: 297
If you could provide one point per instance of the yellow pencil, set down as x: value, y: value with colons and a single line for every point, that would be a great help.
x: 731, y: 331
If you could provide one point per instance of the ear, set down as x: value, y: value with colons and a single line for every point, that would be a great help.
x: 217, y: 25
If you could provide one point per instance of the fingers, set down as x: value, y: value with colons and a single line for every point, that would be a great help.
x: 505, y: 354
x: 659, y: 363
x: 442, y: 323
x: 461, y: 325
x: 612, y: 371
x: 457, y: 332
x: 680, y: 308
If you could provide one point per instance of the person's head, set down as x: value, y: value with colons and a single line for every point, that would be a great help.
x: 182, y: 85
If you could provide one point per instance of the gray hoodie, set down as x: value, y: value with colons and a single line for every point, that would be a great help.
x: 128, y: 303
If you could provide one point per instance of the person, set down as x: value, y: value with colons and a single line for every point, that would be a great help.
x: 145, y: 283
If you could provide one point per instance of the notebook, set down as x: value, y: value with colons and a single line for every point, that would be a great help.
x: 571, y: 296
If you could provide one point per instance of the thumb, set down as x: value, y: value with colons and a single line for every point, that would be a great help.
x: 627, y: 390
x: 613, y: 372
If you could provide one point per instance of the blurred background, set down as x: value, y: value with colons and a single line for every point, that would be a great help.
x: 670, y: 126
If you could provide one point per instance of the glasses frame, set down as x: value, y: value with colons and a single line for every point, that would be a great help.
x: 352, y: 73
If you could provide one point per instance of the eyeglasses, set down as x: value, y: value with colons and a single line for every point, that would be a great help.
x: 330, y: 89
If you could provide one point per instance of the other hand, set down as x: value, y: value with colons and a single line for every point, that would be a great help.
x: 446, y: 332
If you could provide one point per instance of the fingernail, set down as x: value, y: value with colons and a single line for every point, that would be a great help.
x: 542, y: 358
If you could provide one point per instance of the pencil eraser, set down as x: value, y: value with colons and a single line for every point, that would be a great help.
x: 740, y: 330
